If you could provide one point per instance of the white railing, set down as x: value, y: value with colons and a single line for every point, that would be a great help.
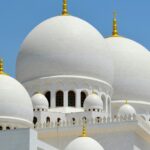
x: 94, y: 121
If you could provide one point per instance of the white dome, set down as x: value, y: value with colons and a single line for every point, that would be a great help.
x: 84, y: 143
x: 131, y: 69
x: 93, y: 101
x: 39, y: 101
x: 15, y: 103
x: 64, y: 45
x: 127, y: 110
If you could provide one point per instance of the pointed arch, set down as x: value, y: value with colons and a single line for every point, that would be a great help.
x: 48, y: 96
x: 1, y: 128
x: 83, y: 97
x: 48, y: 119
x: 71, y: 99
x: 59, y: 99
x: 34, y: 120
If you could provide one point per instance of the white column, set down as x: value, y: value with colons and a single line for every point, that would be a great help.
x: 53, y: 99
x: 65, y: 98
x: 110, y: 108
x: 78, y: 98
x: 106, y: 107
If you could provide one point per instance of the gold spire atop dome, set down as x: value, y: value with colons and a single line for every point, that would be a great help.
x: 126, y: 102
x: 115, y: 29
x: 84, y: 131
x: 94, y: 92
x: 1, y: 66
x: 65, y: 8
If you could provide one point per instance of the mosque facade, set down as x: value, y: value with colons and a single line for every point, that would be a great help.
x: 76, y: 90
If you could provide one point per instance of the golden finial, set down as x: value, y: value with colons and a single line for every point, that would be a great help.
x: 65, y: 8
x: 1, y: 66
x: 115, y: 29
x: 126, y: 102
x: 94, y: 92
x: 84, y: 131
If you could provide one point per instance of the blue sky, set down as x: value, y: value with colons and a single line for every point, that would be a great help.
x: 19, y: 17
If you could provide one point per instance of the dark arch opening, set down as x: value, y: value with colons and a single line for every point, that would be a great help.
x: 71, y: 99
x: 34, y: 120
x: 59, y: 99
x: 83, y: 97
x: 58, y: 120
x: 73, y: 120
x: 48, y: 120
x: 98, y: 119
x: 84, y: 119
x: 1, y: 128
x: 7, y: 128
x: 48, y: 96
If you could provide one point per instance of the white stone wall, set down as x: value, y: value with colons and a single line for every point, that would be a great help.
x: 125, y: 135
x: 22, y: 139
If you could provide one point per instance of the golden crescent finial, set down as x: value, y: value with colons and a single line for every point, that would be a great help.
x: 94, y: 92
x: 115, y: 28
x: 65, y: 8
x: 1, y: 66
x: 126, y: 102
x: 84, y: 130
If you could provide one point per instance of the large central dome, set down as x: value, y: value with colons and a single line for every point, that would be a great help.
x: 64, y: 45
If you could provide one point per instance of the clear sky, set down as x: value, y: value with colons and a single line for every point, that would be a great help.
x: 19, y: 17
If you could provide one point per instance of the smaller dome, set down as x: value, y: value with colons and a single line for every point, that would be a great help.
x: 15, y: 103
x: 39, y: 101
x: 93, y: 101
x: 84, y: 143
x: 126, y: 110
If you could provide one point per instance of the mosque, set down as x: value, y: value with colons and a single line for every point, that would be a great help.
x: 76, y: 90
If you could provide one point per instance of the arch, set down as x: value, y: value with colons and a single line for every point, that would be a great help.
x: 84, y: 118
x: 143, y: 117
x: 1, y: 128
x: 48, y: 119
x: 48, y: 96
x: 34, y: 120
x: 97, y: 119
x: 58, y: 120
x: 71, y: 99
x: 59, y: 99
x: 83, y: 97
x: 7, y: 128
x: 103, y: 98
x: 73, y: 121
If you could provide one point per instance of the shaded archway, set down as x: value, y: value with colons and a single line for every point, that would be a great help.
x: 34, y: 120
x: 1, y: 128
x: 48, y: 120
x: 71, y: 98
x: 58, y: 120
x: 83, y: 97
x: 103, y: 98
x: 73, y: 121
x: 48, y: 96
x: 7, y: 128
x: 84, y: 119
x: 59, y: 99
